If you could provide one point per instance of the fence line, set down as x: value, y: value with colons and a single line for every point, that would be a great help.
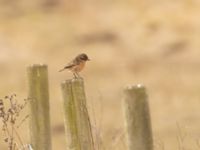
x: 138, y: 123
x: 39, y: 107
x: 78, y: 130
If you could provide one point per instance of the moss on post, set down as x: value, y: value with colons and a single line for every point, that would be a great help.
x: 77, y: 122
x: 138, y: 123
x: 39, y: 107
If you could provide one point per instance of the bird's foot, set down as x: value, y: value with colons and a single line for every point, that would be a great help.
x: 77, y: 76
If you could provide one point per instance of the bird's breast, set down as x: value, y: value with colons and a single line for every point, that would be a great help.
x: 79, y: 67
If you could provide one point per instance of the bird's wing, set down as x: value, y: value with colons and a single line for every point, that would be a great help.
x: 75, y: 61
x: 71, y: 64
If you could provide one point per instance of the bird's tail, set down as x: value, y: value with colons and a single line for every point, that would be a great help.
x: 66, y: 67
x: 61, y: 70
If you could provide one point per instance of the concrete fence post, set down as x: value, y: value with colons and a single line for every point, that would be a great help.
x: 137, y: 118
x: 77, y: 121
x: 39, y: 107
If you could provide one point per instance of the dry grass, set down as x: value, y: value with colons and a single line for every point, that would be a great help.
x: 155, y: 43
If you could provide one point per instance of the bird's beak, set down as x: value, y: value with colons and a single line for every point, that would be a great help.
x: 88, y: 59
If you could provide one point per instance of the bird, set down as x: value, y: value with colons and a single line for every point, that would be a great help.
x: 77, y: 64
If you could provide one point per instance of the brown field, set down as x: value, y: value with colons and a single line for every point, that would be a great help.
x: 153, y: 42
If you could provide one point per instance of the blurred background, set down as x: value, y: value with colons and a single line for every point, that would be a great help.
x: 152, y: 42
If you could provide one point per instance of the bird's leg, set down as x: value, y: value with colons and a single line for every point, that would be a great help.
x: 78, y: 75
x: 75, y: 76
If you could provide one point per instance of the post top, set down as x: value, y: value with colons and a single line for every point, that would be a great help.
x: 66, y: 81
x: 80, y: 79
x: 137, y: 86
x: 40, y: 65
x: 72, y: 80
x: 135, y: 90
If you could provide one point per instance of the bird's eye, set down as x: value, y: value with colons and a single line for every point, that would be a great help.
x: 83, y: 58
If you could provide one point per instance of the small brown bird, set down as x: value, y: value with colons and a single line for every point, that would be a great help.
x: 77, y: 64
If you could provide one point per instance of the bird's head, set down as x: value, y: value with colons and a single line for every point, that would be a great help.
x: 84, y: 57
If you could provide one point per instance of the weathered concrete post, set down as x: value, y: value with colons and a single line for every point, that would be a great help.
x: 77, y: 121
x: 138, y: 123
x: 39, y: 107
